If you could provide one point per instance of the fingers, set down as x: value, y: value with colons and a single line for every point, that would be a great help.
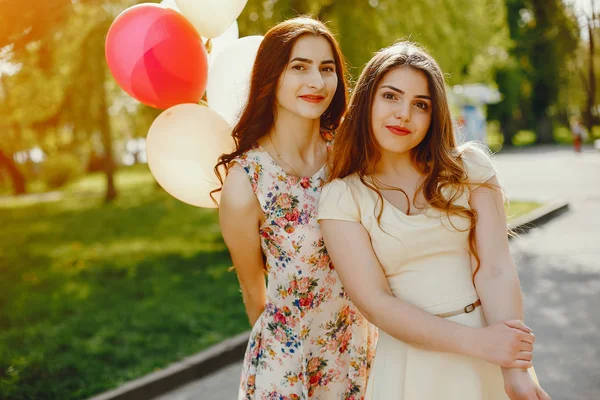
x: 527, y: 337
x: 517, y: 324
x: 525, y: 355
x: 524, y: 346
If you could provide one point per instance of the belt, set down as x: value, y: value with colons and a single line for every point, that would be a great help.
x: 467, y: 309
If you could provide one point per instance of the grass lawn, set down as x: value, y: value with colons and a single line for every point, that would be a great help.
x: 518, y: 208
x: 95, y: 295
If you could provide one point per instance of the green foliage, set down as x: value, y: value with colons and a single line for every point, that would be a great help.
x: 545, y: 36
x: 57, y: 87
x: 60, y: 169
x: 466, y: 37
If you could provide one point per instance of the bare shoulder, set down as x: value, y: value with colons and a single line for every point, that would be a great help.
x: 237, y: 195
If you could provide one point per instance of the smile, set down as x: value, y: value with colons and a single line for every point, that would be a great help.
x: 313, y: 98
x: 398, y: 130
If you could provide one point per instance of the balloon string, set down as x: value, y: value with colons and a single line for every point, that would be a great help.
x: 203, y: 101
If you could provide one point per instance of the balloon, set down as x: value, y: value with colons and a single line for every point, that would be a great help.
x: 182, y: 148
x: 211, y: 17
x: 220, y: 43
x: 170, y: 4
x: 157, y: 56
x: 229, y: 81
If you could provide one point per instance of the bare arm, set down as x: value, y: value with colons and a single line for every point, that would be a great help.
x: 349, y: 246
x: 239, y: 216
x: 497, y: 281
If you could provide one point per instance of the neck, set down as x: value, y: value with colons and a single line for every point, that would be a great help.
x: 297, y: 137
x: 397, y: 165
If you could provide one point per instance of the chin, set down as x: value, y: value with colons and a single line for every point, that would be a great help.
x: 311, y: 114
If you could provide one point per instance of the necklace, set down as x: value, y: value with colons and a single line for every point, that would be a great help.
x: 282, y: 159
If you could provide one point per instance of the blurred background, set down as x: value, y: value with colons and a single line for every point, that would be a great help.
x: 103, y: 276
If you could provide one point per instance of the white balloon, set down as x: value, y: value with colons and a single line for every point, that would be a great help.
x: 211, y: 17
x: 169, y: 4
x: 229, y: 78
x: 182, y: 148
x: 220, y: 43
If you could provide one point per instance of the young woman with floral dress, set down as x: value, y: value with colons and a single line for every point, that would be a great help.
x: 308, y: 341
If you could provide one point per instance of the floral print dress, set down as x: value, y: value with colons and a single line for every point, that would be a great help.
x: 310, y: 342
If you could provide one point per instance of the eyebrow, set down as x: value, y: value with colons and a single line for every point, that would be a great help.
x: 395, y: 89
x: 308, y: 61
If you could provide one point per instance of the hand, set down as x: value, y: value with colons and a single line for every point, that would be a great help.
x: 508, y: 344
x: 519, y: 385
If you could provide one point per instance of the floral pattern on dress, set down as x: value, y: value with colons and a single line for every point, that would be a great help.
x: 310, y: 342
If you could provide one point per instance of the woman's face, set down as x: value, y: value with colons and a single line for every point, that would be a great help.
x: 401, y: 110
x: 309, y: 81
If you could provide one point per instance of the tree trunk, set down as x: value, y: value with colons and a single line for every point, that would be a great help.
x: 544, y: 130
x: 109, y: 163
x: 17, y: 177
x: 591, y: 87
x: 104, y: 118
x: 508, y: 129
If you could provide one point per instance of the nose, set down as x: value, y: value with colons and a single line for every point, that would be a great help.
x: 402, y: 111
x: 316, y: 80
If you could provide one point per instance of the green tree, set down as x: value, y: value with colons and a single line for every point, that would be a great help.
x: 544, y: 35
x: 465, y: 37
x: 60, y: 92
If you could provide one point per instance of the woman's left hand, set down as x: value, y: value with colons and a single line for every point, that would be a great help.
x: 519, y: 385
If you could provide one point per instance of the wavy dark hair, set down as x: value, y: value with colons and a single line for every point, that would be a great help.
x: 357, y: 151
x: 273, y: 55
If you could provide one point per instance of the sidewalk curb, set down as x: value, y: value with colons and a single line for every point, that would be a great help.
x: 231, y: 350
x: 182, y: 372
x: 538, y: 217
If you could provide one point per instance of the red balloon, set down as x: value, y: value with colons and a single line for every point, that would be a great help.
x: 157, y: 56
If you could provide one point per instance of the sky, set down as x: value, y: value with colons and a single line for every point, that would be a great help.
x: 583, y: 8
x: 583, y: 5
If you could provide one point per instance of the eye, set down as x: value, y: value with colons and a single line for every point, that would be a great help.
x: 299, y: 67
x: 327, y: 69
x: 422, y: 105
x: 389, y: 96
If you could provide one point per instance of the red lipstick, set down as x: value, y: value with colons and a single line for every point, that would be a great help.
x: 313, y: 98
x: 399, y: 130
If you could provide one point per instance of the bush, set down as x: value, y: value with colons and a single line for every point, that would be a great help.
x: 60, y: 169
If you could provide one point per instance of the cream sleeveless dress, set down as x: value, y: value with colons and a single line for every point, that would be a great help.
x: 310, y: 342
x: 427, y: 263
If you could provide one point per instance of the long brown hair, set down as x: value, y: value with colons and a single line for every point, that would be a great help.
x: 357, y: 151
x: 273, y: 55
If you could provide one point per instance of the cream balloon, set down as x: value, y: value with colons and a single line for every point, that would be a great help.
x: 211, y: 17
x: 217, y: 44
x: 220, y: 43
x: 229, y: 78
x: 182, y: 148
x: 170, y: 4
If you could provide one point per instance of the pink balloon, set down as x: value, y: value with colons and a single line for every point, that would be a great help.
x: 157, y: 56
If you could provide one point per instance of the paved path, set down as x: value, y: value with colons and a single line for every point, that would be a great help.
x: 559, y: 266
